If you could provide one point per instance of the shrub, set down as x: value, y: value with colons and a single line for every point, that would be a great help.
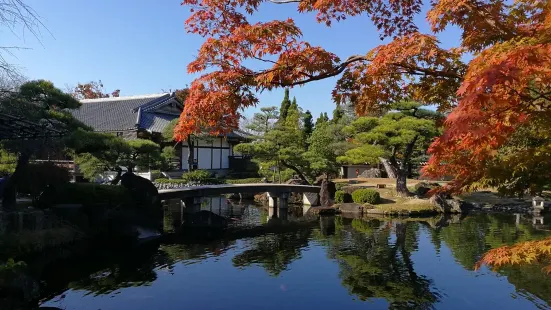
x: 196, y: 176
x: 37, y: 177
x: 244, y: 181
x: 340, y: 186
x: 370, y: 196
x: 342, y: 197
x: 423, y: 188
x: 86, y: 194
x: 199, y: 177
x: 170, y: 181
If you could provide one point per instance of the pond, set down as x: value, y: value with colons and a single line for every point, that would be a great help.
x: 331, y: 263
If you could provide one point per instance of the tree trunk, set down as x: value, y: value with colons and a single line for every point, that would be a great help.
x: 190, y: 154
x: 390, y: 170
x: 295, y: 169
x: 401, y: 184
x: 117, y: 178
x: 9, y: 199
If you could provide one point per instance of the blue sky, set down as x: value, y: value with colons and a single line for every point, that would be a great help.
x: 141, y: 46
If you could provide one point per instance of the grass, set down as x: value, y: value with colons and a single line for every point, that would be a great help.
x: 422, y: 207
x: 390, y: 202
x: 489, y: 197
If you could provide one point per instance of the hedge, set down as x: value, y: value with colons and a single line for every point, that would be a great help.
x: 342, y: 197
x: 199, y: 177
x: 340, y: 186
x: 170, y: 181
x: 370, y: 196
x: 244, y: 181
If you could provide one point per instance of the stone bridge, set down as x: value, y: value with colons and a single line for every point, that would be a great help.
x: 278, y: 194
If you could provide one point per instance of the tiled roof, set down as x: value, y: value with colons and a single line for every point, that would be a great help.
x: 117, y: 114
x: 155, y: 122
x: 239, y: 134
x: 129, y: 113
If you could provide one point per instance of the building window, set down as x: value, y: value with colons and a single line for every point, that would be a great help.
x: 119, y: 133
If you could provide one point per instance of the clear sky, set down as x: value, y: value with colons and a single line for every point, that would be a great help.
x: 141, y: 46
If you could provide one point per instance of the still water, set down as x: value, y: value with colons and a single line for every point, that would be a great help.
x: 330, y: 263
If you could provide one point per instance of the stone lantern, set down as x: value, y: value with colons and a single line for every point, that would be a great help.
x: 538, y: 203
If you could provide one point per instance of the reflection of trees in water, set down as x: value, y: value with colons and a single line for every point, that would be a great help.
x: 192, y: 252
x: 131, y: 269
x: 373, y: 266
x: 476, y: 234
x: 274, y: 252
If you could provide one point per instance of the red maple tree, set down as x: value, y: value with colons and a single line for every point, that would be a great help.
x: 507, y: 79
x: 506, y: 83
x: 92, y: 90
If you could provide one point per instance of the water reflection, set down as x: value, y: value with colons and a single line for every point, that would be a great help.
x: 273, y: 252
x: 393, y: 263
x: 375, y: 262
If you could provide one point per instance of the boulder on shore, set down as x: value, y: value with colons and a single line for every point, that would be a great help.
x: 445, y: 205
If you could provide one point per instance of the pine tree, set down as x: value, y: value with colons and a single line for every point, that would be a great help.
x: 320, y: 120
x: 308, y: 124
x: 294, y: 104
x: 285, y: 105
x: 337, y: 114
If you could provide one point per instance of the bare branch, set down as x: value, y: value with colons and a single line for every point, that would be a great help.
x: 15, y: 14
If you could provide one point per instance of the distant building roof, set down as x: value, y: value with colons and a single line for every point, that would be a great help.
x: 127, y: 113
x: 148, y: 112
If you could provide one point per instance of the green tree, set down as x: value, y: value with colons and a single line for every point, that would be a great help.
x: 96, y: 153
x: 308, y: 124
x: 264, y: 121
x: 321, y: 150
x: 395, y: 136
x: 338, y: 113
x: 285, y: 105
x: 42, y: 103
x: 322, y: 118
x: 281, y: 147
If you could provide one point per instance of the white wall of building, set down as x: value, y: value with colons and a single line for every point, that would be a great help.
x: 211, y: 153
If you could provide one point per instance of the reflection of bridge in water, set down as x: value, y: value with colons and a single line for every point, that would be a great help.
x: 194, y: 197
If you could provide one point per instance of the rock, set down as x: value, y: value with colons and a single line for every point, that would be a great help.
x: 422, y: 188
x: 146, y: 198
x: 297, y: 182
x: 371, y: 173
x: 448, y: 205
x: 350, y: 208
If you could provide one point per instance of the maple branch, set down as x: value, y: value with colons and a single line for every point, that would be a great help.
x: 489, y: 19
x: 413, y: 70
x: 336, y: 71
